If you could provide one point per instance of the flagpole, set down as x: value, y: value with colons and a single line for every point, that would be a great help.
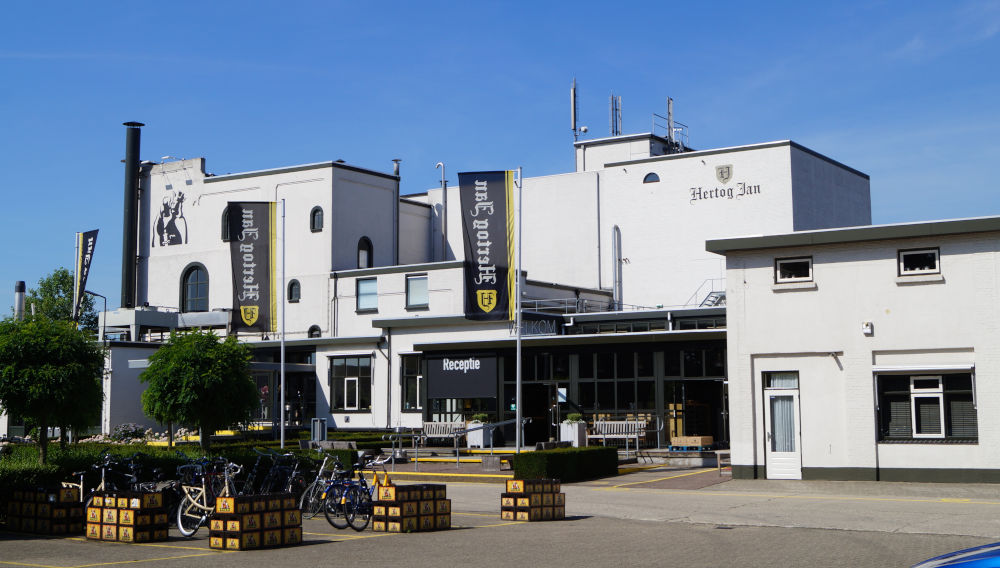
x: 282, y: 410
x: 517, y: 292
x: 76, y: 275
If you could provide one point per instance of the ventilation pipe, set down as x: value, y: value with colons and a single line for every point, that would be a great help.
x: 130, y: 222
x: 616, y: 246
x: 19, y: 300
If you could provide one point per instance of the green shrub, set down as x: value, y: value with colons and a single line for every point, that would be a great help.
x: 567, y: 464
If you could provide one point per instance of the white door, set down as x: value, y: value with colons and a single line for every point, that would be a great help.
x: 781, y: 426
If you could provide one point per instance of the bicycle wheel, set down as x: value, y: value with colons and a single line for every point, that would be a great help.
x: 361, y: 514
x: 311, y: 503
x: 190, y: 517
x: 335, y: 507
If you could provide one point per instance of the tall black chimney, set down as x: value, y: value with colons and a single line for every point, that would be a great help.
x: 130, y: 223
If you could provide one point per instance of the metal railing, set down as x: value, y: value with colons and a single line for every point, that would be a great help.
x: 492, y: 426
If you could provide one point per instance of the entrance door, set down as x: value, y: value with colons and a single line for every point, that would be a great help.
x: 781, y: 426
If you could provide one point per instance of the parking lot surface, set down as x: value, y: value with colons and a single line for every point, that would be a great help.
x: 627, y: 520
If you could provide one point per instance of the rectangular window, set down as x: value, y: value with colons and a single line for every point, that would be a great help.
x: 350, y: 383
x: 926, y: 407
x: 919, y: 261
x: 416, y: 292
x: 367, y: 295
x: 793, y: 269
x: 413, y: 384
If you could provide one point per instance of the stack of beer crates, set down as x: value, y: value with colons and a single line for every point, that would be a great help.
x: 533, y: 500
x: 248, y: 522
x: 411, y: 508
x: 58, y: 511
x: 127, y: 516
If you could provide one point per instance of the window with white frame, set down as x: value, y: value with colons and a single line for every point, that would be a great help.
x: 413, y: 384
x: 367, y: 289
x: 416, y: 291
x: 351, y: 383
x: 798, y: 269
x: 919, y: 261
x: 925, y: 407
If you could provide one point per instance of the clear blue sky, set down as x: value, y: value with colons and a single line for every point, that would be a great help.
x: 907, y: 92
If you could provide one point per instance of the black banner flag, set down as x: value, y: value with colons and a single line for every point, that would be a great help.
x: 85, y: 243
x: 252, y: 247
x: 488, y: 226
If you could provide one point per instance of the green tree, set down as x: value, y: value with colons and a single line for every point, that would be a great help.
x: 197, y: 379
x: 50, y: 374
x: 54, y: 299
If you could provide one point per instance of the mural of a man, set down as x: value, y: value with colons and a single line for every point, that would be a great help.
x: 171, y: 226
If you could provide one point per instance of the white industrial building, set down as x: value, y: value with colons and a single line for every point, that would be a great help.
x: 866, y: 353
x: 625, y: 311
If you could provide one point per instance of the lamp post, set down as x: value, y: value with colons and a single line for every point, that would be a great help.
x: 104, y: 315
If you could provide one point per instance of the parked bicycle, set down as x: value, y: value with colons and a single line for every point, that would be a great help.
x: 282, y: 475
x: 201, y: 482
x: 311, y: 502
x: 115, y: 475
x: 348, y: 501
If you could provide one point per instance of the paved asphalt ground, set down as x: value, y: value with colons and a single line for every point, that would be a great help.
x: 654, y: 517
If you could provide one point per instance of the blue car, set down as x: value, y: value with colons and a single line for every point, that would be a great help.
x: 985, y: 556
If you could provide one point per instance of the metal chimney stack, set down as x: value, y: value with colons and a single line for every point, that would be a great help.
x: 19, y: 300
x: 130, y: 222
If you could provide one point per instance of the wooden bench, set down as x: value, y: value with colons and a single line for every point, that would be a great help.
x: 441, y: 429
x: 618, y: 430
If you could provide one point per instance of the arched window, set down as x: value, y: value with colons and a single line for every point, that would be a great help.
x: 194, y: 289
x: 314, y: 331
x: 316, y: 219
x: 294, y: 291
x: 365, y: 253
x: 651, y: 178
x: 225, y: 224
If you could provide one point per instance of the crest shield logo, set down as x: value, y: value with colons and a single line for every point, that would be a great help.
x: 724, y: 173
x: 249, y: 314
x: 487, y: 299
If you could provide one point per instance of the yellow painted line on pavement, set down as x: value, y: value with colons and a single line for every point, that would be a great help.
x: 341, y: 536
x: 26, y: 564
x: 476, y: 514
x: 148, y: 559
x: 625, y: 470
x: 666, y: 478
x: 816, y: 497
x: 151, y: 544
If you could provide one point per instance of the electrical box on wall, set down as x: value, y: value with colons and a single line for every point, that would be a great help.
x: 867, y: 328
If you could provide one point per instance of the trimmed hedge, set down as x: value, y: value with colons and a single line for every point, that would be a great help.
x: 20, y: 469
x: 567, y: 464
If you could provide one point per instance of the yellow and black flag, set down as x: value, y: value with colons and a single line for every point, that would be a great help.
x: 252, y: 247
x: 85, y: 243
x: 488, y: 229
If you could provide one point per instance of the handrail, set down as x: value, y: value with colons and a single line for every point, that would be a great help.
x: 492, y: 426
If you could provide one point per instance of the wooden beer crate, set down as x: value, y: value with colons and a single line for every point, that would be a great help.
x: 442, y: 506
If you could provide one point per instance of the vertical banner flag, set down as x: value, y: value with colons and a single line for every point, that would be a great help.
x: 252, y: 246
x: 488, y: 229
x: 85, y: 243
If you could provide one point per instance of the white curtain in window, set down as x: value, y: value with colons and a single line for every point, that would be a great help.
x: 789, y: 380
x: 782, y: 424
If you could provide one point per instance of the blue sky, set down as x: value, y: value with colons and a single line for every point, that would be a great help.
x: 906, y: 92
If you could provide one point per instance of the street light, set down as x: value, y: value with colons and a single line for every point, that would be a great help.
x: 104, y: 319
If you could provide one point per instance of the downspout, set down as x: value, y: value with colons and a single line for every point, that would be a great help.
x: 600, y: 282
x: 395, y: 216
x: 388, y: 378
x: 334, y: 308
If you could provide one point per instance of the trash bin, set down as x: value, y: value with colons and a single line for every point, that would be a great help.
x: 318, y: 429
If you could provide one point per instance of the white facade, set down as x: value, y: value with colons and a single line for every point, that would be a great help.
x: 856, y: 324
x: 569, y: 218
x: 665, y: 207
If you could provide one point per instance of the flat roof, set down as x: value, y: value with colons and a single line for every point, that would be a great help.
x: 299, y: 168
x: 760, y: 146
x: 856, y: 234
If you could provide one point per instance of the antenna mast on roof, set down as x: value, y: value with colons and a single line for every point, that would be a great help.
x: 616, y: 114
x: 573, y: 112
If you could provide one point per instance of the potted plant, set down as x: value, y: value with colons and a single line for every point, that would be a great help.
x: 574, y: 429
x: 481, y: 438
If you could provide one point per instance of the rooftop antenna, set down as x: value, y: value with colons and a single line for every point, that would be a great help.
x: 670, y: 121
x: 616, y: 114
x: 573, y: 111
